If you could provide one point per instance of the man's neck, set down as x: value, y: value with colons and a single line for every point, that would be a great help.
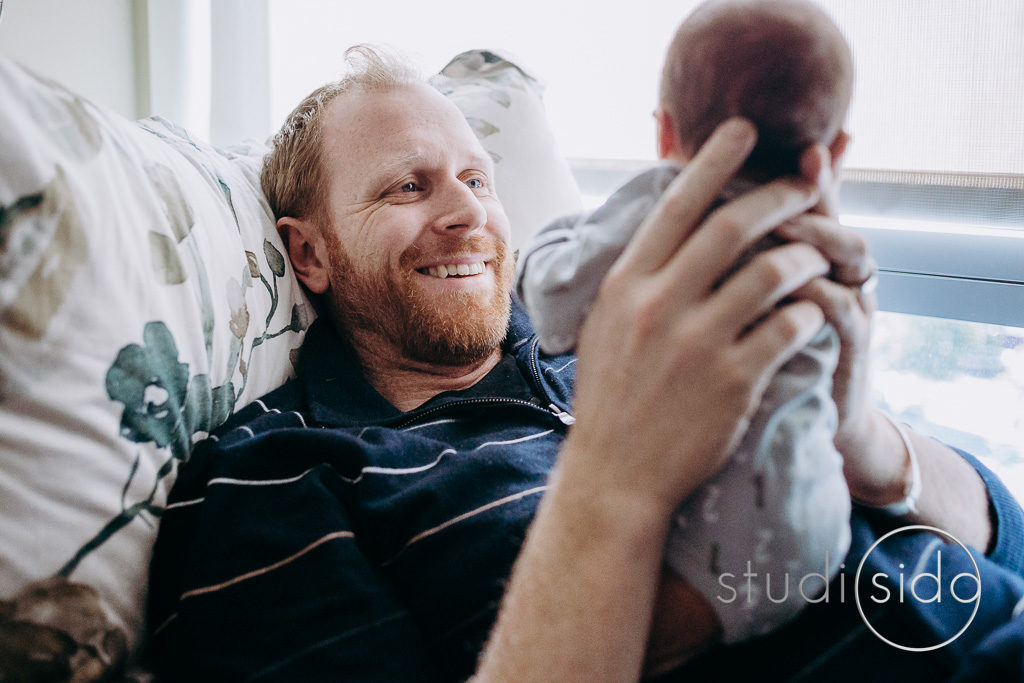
x: 408, y: 384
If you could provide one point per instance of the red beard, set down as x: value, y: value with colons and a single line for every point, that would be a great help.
x: 453, y: 328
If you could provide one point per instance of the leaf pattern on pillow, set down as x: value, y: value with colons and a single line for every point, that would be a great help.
x: 72, y: 126
x: 489, y: 65
x: 182, y: 219
x: 51, y: 240
x: 163, y: 405
x: 482, y: 128
x: 172, y: 199
x: 239, y: 323
x: 226, y: 190
x: 501, y: 97
x: 151, y: 383
x: 163, y: 255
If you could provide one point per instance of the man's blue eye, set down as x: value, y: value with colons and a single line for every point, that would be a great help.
x: 478, y: 184
x: 408, y: 187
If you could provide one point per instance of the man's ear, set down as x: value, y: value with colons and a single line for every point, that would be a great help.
x: 307, y: 251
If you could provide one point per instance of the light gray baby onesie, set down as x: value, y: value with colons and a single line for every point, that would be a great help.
x: 780, y: 508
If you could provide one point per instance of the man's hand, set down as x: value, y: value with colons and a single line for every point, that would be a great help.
x: 875, y: 459
x: 671, y: 368
x: 848, y: 300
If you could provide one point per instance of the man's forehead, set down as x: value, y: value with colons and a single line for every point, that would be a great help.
x: 407, y: 123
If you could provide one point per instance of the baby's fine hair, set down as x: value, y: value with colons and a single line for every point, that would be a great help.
x: 782, y: 64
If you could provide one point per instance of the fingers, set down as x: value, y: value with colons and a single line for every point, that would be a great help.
x: 769, y: 277
x: 848, y: 309
x: 689, y: 196
x: 774, y: 341
x: 847, y: 250
x: 732, y: 229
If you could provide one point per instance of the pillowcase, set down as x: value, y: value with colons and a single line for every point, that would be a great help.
x: 503, y: 105
x: 144, y: 294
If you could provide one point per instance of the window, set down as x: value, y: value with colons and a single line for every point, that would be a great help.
x: 961, y: 382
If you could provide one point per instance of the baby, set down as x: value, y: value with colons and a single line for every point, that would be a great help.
x: 780, y: 507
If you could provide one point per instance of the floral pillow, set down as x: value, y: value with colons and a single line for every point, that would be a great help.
x: 144, y: 295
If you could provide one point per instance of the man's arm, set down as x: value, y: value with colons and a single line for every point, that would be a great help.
x: 953, y: 496
x: 670, y: 370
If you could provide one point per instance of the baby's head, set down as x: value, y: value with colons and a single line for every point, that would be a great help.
x: 782, y: 64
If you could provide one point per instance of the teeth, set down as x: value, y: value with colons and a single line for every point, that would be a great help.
x: 456, y: 269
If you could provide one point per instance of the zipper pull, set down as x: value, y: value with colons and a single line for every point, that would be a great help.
x: 563, y: 416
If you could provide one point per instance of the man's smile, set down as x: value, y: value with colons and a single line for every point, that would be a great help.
x: 454, y: 269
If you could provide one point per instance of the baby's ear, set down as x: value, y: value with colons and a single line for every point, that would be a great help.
x: 838, y: 148
x: 668, y: 145
x: 818, y: 166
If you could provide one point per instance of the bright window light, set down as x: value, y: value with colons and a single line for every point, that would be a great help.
x: 962, y: 383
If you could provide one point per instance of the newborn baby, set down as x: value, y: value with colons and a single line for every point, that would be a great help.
x: 780, y: 507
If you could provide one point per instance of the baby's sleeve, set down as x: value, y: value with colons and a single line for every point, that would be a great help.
x: 559, y: 273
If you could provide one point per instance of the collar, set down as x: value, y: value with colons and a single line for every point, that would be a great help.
x: 335, y: 389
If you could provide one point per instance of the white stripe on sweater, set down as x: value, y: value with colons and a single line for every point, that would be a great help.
x: 464, y: 516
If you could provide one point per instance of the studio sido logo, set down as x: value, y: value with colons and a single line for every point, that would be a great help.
x: 923, y: 587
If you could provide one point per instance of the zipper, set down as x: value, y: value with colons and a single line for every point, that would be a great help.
x: 566, y: 418
x: 552, y: 409
x: 563, y: 417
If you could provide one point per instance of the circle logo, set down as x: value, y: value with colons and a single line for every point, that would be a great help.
x: 936, y: 577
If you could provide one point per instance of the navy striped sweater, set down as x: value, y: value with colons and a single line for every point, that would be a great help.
x: 321, y: 534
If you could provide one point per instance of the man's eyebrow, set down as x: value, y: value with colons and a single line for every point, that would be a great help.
x: 388, y: 170
x: 393, y: 167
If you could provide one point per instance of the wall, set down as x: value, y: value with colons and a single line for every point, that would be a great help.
x: 87, y: 46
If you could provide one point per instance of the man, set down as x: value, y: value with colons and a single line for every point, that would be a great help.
x: 360, y: 523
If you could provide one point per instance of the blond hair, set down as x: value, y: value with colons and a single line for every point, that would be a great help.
x: 293, y: 176
x: 782, y: 64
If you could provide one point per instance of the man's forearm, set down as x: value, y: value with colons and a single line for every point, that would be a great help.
x: 953, y: 495
x: 579, y: 603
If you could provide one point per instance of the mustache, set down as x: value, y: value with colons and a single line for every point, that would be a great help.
x: 455, y: 248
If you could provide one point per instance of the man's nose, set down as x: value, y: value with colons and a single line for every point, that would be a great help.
x: 460, y: 209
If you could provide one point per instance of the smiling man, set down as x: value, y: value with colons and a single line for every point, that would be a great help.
x: 362, y: 522
x: 413, y: 255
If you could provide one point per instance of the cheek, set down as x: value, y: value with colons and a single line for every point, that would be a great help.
x: 498, y: 222
x: 385, y: 235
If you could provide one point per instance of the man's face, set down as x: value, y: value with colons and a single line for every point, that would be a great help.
x: 418, y: 242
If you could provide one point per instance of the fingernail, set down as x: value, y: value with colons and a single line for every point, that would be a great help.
x: 739, y: 129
